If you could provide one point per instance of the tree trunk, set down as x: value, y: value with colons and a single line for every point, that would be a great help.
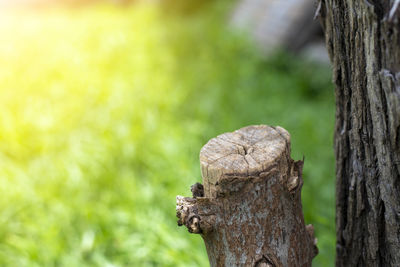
x: 363, y: 40
x: 249, y: 211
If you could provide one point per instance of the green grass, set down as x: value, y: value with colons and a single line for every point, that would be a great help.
x: 103, y: 112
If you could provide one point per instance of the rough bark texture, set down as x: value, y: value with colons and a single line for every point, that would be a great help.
x: 363, y: 40
x: 249, y: 211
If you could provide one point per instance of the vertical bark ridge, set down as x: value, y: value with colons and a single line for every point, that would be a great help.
x: 364, y: 46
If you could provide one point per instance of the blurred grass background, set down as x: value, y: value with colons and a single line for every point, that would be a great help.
x: 103, y: 111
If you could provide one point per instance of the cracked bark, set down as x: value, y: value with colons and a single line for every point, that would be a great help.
x: 248, y: 210
x: 363, y: 40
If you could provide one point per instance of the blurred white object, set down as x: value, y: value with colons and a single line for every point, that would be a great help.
x: 275, y: 24
x: 316, y: 52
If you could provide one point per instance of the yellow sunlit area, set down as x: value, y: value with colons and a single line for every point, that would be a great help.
x: 104, y: 108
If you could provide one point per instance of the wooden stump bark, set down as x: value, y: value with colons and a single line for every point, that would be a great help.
x: 249, y: 210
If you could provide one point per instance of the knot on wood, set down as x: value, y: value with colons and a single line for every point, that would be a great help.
x: 295, y: 181
x: 265, y: 261
x: 314, y: 240
x: 186, y: 211
x: 197, y: 190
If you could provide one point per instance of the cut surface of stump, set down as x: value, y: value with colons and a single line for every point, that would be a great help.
x: 248, y: 210
x: 246, y: 152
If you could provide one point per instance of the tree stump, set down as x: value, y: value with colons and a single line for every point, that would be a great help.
x: 249, y: 210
